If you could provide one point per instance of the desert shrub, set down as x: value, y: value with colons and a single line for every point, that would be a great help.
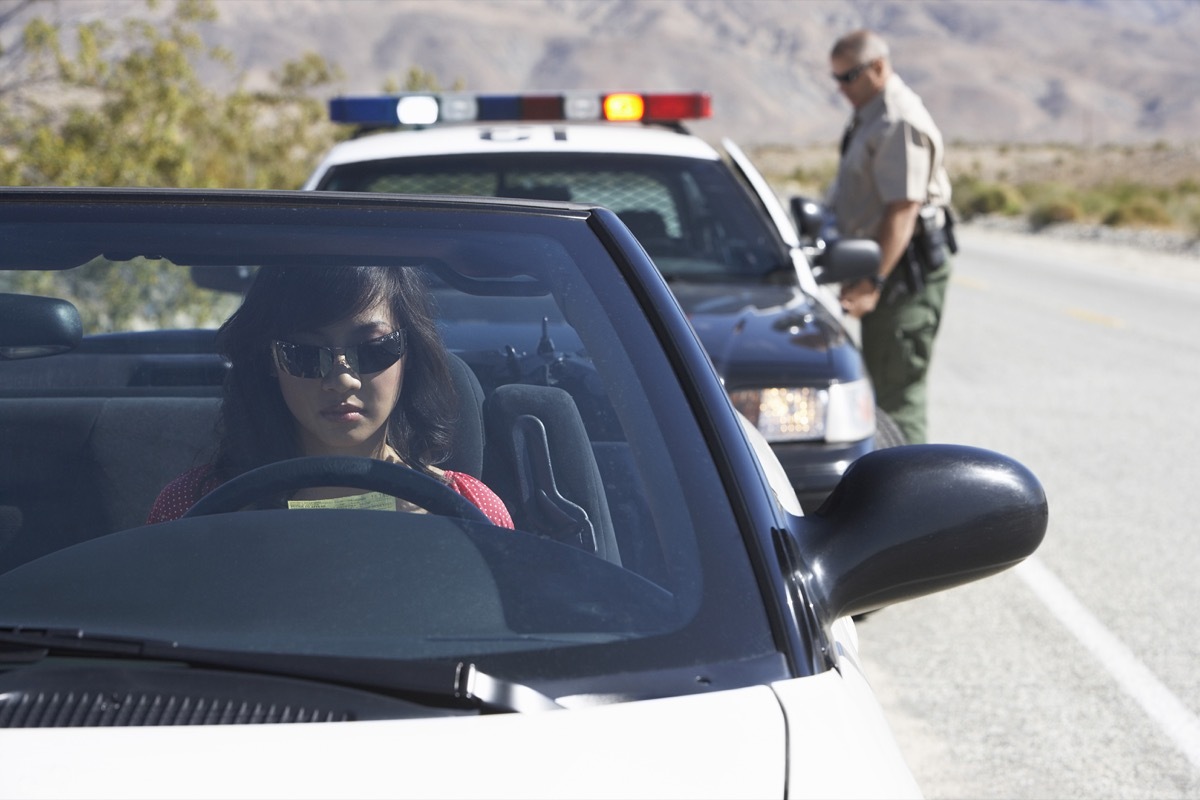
x: 1139, y: 212
x: 974, y: 198
x: 1114, y: 183
x: 122, y: 104
x: 1052, y: 212
x: 1123, y: 192
x: 1187, y: 186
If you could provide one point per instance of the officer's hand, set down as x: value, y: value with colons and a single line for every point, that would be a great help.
x: 860, y: 298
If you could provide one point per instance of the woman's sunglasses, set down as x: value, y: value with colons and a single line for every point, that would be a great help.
x: 313, y: 361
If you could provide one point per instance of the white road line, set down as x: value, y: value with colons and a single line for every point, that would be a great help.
x: 1159, y: 703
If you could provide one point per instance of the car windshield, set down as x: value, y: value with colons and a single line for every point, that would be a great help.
x: 692, y: 216
x: 625, y: 553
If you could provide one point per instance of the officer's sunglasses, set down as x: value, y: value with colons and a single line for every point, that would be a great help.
x: 313, y: 361
x: 851, y: 75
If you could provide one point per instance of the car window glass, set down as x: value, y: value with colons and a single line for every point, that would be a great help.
x: 538, y: 323
x: 691, y: 215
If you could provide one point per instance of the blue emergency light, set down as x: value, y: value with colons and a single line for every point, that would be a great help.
x: 425, y: 108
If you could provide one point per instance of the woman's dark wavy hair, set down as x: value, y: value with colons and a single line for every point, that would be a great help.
x: 256, y: 425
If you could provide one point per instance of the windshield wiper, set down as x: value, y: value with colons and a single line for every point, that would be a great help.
x: 460, y: 685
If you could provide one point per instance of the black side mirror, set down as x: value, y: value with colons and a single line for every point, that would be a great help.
x: 31, y: 326
x: 909, y: 521
x: 809, y: 216
x: 848, y: 260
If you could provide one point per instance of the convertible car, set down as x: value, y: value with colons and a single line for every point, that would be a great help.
x: 662, y: 620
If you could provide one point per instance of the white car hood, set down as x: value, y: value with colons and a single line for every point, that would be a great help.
x: 722, y: 744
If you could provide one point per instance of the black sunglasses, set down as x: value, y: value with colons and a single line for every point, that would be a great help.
x: 313, y: 361
x: 851, y: 75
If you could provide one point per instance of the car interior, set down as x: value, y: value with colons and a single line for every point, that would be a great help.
x: 127, y: 411
x: 155, y: 415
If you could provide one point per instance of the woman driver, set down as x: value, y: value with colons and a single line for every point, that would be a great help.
x: 333, y: 361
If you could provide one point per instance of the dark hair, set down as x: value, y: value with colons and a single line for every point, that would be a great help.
x: 256, y: 425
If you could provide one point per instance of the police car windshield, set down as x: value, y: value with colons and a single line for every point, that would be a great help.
x: 692, y: 216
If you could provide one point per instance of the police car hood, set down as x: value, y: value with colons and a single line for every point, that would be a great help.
x: 756, y: 332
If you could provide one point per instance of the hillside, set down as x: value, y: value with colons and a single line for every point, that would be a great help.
x: 1075, y: 71
x: 1082, y: 72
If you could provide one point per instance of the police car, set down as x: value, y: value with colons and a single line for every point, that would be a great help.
x: 759, y: 300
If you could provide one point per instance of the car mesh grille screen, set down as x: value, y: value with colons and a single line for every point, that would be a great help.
x: 616, y: 190
x: 87, y: 709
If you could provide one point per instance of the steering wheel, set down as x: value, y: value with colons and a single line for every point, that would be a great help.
x: 352, y: 472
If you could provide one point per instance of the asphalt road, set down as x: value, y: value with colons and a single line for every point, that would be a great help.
x: 1076, y: 674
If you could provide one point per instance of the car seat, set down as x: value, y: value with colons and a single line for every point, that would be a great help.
x: 467, y: 443
x: 540, y: 459
x: 645, y: 224
x: 650, y: 228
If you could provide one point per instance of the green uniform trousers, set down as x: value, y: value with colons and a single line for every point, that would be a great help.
x: 897, y: 346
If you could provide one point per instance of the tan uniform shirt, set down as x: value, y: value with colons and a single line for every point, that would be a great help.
x: 894, y: 152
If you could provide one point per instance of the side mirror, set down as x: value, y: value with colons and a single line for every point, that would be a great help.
x: 32, y: 326
x: 909, y: 521
x: 848, y: 260
x: 809, y: 217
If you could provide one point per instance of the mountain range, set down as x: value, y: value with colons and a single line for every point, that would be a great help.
x: 991, y: 71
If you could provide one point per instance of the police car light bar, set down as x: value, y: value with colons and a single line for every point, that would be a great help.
x: 422, y: 108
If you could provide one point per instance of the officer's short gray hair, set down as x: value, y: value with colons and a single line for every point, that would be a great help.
x: 861, y: 47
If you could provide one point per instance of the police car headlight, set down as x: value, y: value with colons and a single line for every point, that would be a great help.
x: 840, y: 412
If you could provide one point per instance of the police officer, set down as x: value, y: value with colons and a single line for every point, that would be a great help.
x: 891, y: 186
